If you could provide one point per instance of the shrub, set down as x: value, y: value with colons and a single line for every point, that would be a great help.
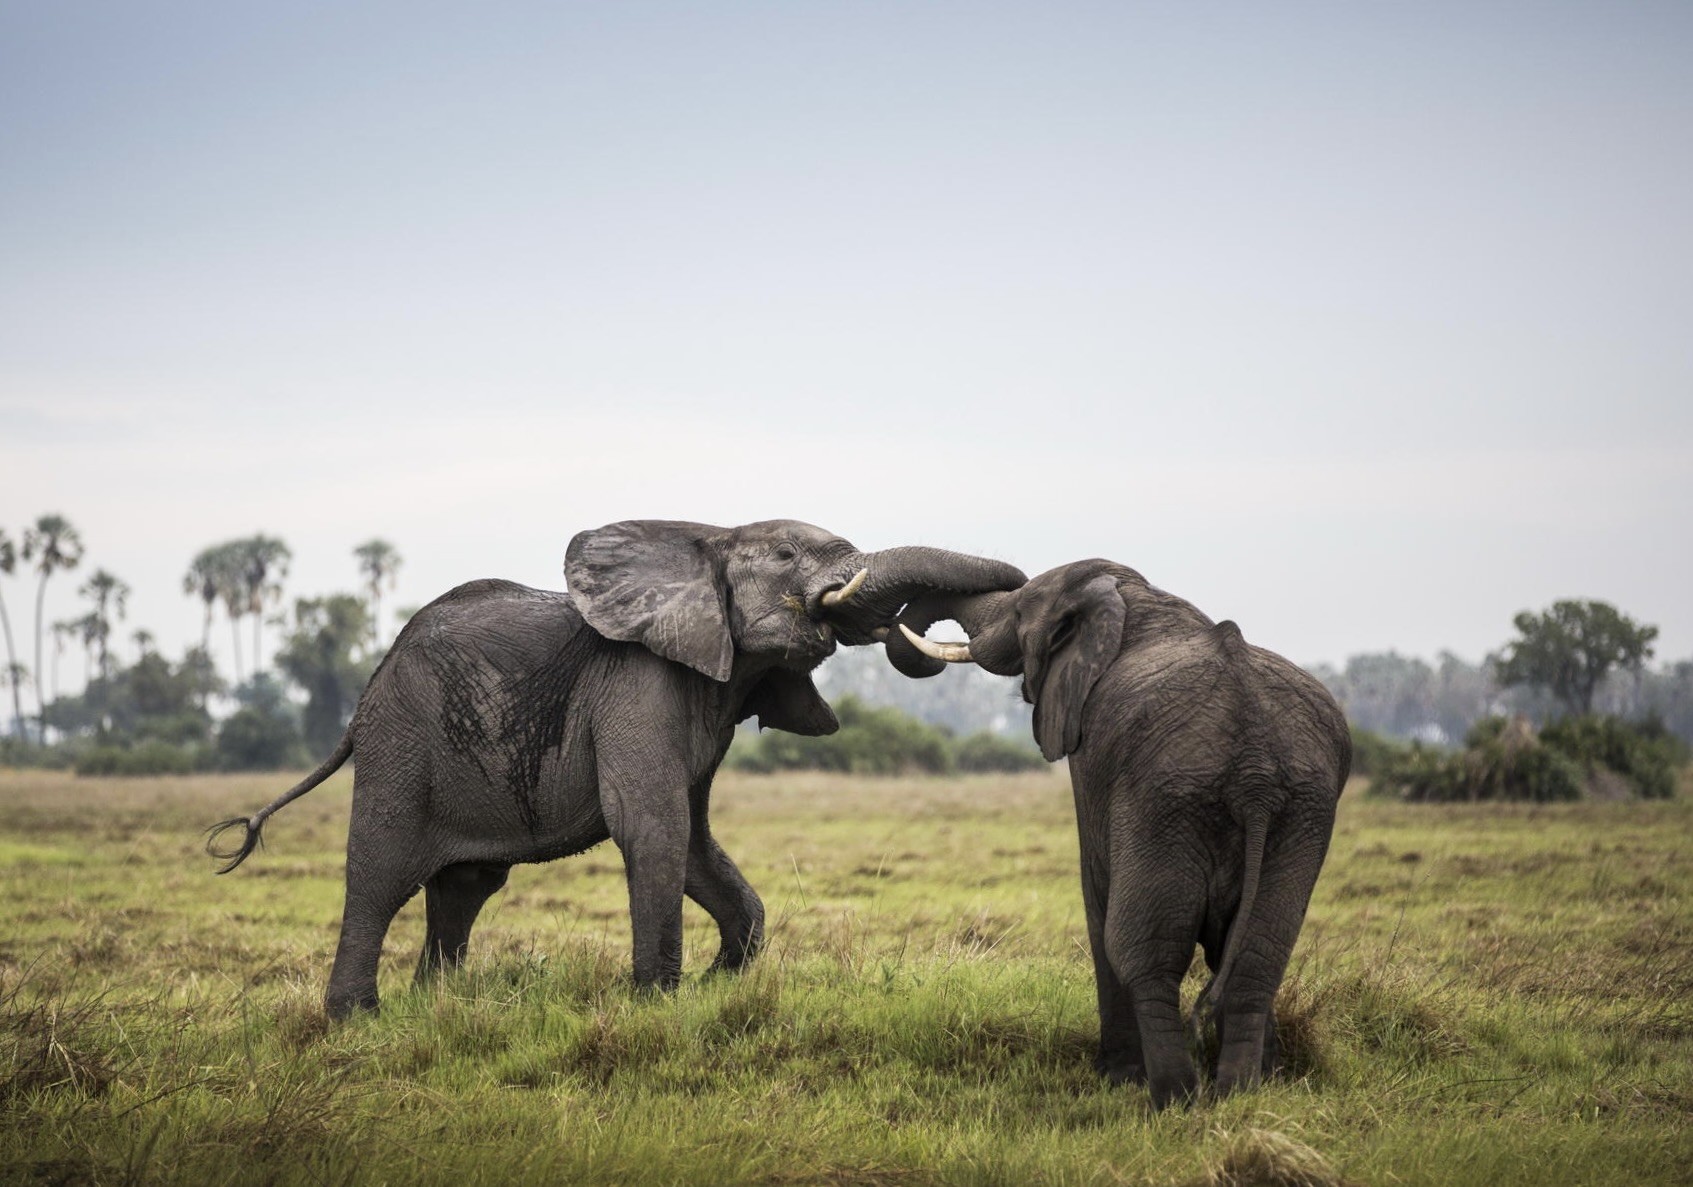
x: 1646, y: 754
x: 151, y: 757
x: 1502, y: 760
x: 1373, y: 753
x: 983, y: 753
x: 876, y: 740
x: 253, y: 740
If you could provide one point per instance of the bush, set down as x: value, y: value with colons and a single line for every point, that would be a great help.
x: 1646, y: 754
x: 1373, y: 753
x: 983, y: 753
x: 1503, y: 759
x: 254, y: 740
x: 877, y: 740
x: 151, y: 757
x: 1512, y: 764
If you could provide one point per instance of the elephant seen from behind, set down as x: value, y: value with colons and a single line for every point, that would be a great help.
x: 508, y: 724
x: 1206, y: 773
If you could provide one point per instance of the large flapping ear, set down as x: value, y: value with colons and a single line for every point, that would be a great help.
x: 654, y: 582
x: 1066, y: 649
x: 788, y: 700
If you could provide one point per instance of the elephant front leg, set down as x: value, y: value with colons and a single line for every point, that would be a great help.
x: 652, y: 834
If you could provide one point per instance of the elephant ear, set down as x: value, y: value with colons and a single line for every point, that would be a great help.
x: 1065, y: 652
x: 788, y: 700
x: 654, y: 582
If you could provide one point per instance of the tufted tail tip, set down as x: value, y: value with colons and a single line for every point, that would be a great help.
x: 233, y: 857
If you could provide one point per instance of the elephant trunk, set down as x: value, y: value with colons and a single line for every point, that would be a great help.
x: 896, y: 577
x: 986, y: 617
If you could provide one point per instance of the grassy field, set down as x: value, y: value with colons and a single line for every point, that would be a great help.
x: 1489, y: 995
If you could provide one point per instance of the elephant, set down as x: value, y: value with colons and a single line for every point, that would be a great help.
x: 508, y: 724
x: 1205, y: 772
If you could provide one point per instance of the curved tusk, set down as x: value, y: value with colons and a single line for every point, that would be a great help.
x: 836, y: 597
x: 952, y: 653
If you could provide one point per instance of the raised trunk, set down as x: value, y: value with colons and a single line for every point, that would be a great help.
x: 899, y: 576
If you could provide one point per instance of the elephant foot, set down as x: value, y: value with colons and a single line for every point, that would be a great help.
x: 1120, y: 1069
x: 342, y: 1007
x: 1173, y: 1090
x: 735, y: 956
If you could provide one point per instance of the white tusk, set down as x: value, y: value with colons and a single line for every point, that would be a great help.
x: 837, y: 596
x: 952, y: 653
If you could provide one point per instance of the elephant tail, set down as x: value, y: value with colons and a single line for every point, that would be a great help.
x: 1257, y: 830
x: 252, y: 824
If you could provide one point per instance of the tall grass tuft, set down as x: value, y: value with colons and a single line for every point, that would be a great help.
x: 1265, y: 1158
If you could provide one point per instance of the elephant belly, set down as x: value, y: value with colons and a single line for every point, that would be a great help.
x: 521, y: 812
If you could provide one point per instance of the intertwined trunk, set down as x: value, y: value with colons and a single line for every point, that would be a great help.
x: 899, y: 576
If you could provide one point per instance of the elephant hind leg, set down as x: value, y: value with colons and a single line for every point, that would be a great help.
x: 1150, y: 940
x: 1270, y: 1062
x: 453, y: 898
x: 1250, y: 1050
x: 372, y: 903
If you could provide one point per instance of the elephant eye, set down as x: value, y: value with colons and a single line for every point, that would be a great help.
x: 785, y: 552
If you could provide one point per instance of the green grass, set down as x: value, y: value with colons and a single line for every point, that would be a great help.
x: 1483, y: 994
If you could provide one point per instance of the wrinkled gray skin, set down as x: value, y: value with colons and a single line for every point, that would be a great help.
x: 1205, y: 773
x: 509, y: 724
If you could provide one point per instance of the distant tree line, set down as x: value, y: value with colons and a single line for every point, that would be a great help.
x: 156, y: 715
x: 882, y: 740
x: 963, y: 699
x: 1608, y: 729
x: 1430, y: 730
x: 1575, y: 658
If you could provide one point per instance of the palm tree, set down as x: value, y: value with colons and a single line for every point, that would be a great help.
x: 234, y: 603
x: 218, y: 574
x: 53, y: 544
x: 14, y: 670
x: 378, y: 560
x: 109, y: 594
x: 204, y: 578
x: 87, y: 629
x: 264, y: 563
x: 63, y: 632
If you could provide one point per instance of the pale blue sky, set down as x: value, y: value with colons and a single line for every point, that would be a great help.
x: 1367, y: 326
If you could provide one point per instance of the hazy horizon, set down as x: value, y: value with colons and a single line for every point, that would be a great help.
x: 1365, y: 328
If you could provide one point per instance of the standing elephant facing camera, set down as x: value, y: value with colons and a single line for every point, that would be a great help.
x: 1205, y: 771
x: 509, y: 724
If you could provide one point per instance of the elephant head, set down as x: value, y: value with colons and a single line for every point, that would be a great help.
x: 1060, y: 632
x: 779, y: 593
